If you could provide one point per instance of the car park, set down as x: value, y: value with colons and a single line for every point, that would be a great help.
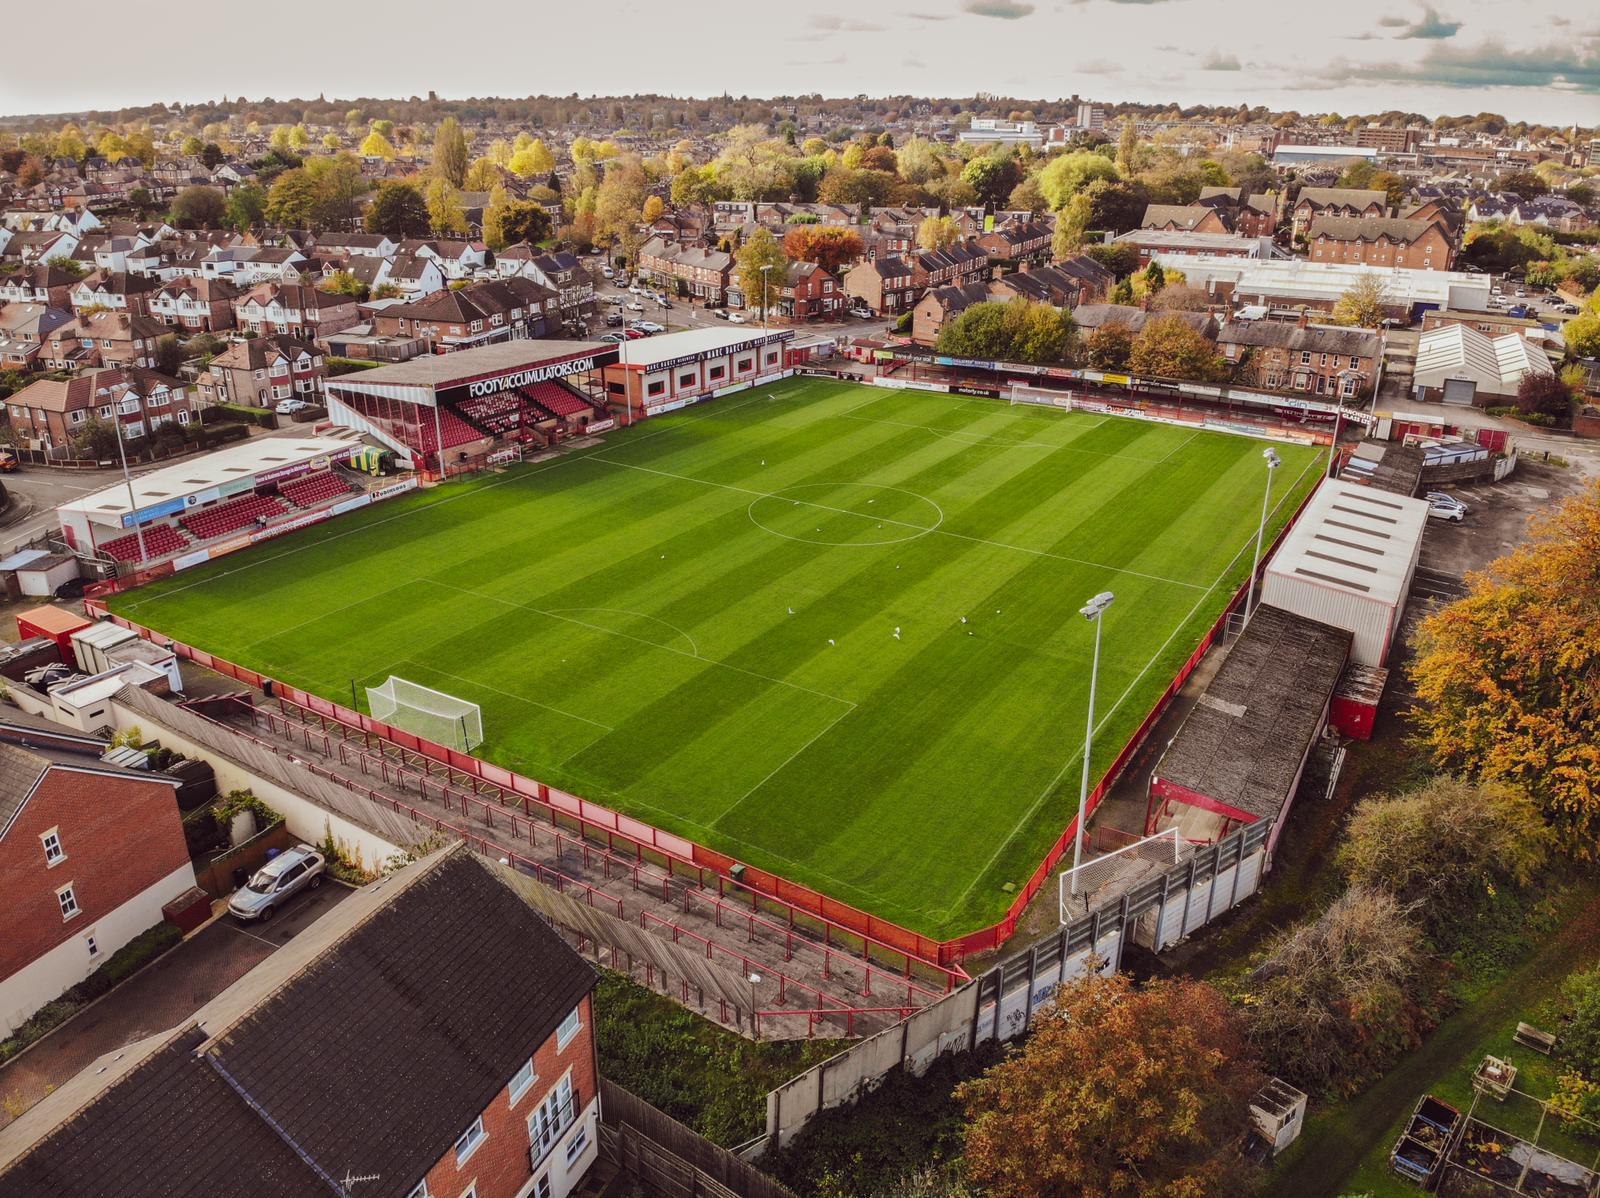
x: 1445, y: 507
x: 291, y: 872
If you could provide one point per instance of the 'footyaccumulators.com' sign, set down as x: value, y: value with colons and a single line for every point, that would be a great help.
x: 527, y: 376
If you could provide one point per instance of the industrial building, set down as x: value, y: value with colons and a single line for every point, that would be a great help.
x: 1458, y: 364
x: 1280, y: 283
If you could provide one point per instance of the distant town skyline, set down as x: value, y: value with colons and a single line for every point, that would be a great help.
x: 1537, y: 60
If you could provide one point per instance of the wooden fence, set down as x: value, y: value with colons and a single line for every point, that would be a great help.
x: 216, y: 877
x: 667, y: 1156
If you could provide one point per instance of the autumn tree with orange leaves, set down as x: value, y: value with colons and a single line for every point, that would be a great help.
x: 831, y: 247
x: 1118, y: 1091
x: 1508, y: 677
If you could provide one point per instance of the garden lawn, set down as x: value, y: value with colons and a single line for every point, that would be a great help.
x: 695, y: 622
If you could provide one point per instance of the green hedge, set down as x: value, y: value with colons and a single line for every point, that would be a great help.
x: 338, y: 366
x: 260, y: 416
x: 127, y: 960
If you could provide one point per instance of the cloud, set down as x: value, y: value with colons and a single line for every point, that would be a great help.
x: 1004, y: 10
x: 1562, y: 67
x: 1101, y: 66
x: 1392, y: 22
x: 928, y: 16
x: 1431, y: 28
x: 844, y: 25
x: 1220, y: 62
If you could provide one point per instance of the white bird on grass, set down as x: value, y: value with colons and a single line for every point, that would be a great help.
x: 963, y: 619
x: 897, y: 632
x: 830, y: 640
x: 791, y: 611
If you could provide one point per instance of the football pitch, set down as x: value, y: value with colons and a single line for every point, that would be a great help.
x: 829, y: 629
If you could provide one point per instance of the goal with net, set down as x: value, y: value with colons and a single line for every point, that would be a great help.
x: 1042, y: 397
x: 441, y: 718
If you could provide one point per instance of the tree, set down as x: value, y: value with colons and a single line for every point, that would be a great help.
x: 450, y: 154
x: 211, y: 155
x: 1017, y: 330
x: 855, y: 187
x: 96, y: 439
x: 199, y: 208
x: 342, y: 282
x: 169, y: 354
x: 513, y: 221
x: 1072, y: 226
x: 398, y: 210
x: 619, y: 200
x: 1543, y: 395
x: 1062, y: 178
x: 482, y: 175
x: 1336, y: 997
x: 1580, y: 1032
x: 330, y: 141
x: 1180, y: 297
x: 831, y: 247
x: 761, y: 288
x: 936, y: 232
x: 246, y: 206
x: 1508, y: 677
x: 70, y: 265
x: 338, y: 181
x: 1364, y: 303
x: 1117, y: 1092
x: 1108, y: 347
x: 1128, y: 146
x: 654, y: 207
x: 992, y: 176
x: 1446, y: 846
x: 445, y: 211
x: 1028, y: 196
x: 534, y: 158
x: 1169, y: 347
x: 1153, y: 278
x: 376, y: 145
x: 291, y: 200
x: 1582, y: 334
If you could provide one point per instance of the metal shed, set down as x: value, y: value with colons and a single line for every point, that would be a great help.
x: 1348, y: 562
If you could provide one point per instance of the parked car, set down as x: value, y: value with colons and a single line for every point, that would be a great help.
x: 8, y: 462
x: 737, y: 318
x: 631, y: 334
x: 607, y: 272
x: 287, y: 407
x: 275, y: 883
x: 666, y: 303
x: 612, y: 337
x: 634, y: 306
x: 1446, y: 507
x: 1519, y: 310
x: 635, y: 289
x: 649, y: 326
x: 613, y: 320
x: 721, y: 314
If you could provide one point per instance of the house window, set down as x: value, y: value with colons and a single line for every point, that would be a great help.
x: 716, y: 372
x: 686, y: 379
x: 523, y: 1079
x: 54, y: 854
x: 68, y: 899
x: 183, y: 415
x: 1305, y: 357
x: 577, y: 1144
x: 744, y: 365
x: 77, y: 416
x: 90, y: 943
x: 552, y: 1116
x: 469, y: 1141
x: 421, y: 1191
x: 541, y: 1188
x: 568, y: 1029
x: 655, y: 388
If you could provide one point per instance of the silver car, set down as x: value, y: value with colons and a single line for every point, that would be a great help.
x: 276, y: 882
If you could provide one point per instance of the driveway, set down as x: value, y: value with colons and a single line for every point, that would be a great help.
x: 159, y: 997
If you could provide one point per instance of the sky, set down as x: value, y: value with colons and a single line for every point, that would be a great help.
x: 1534, y: 60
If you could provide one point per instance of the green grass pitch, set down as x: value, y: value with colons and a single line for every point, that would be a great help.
x: 695, y: 622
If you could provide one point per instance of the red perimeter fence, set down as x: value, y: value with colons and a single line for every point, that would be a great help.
x: 838, y: 922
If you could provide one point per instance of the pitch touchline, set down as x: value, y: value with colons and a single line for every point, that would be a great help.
x: 1100, y: 726
x: 955, y: 434
x: 1079, y: 561
x: 637, y: 639
x: 426, y: 507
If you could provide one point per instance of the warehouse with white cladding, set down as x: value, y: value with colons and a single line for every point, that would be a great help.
x: 1348, y: 562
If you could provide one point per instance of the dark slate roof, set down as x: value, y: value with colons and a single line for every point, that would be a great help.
x: 1356, y: 228
x: 432, y: 1003
x: 1317, y: 338
x: 396, y: 1031
x: 171, y: 1127
x: 1244, y: 742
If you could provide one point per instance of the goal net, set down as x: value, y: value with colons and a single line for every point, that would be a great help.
x: 1043, y: 397
x: 441, y: 718
x: 1102, y: 879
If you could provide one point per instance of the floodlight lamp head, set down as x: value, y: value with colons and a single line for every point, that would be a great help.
x: 1273, y: 460
x: 1095, y: 606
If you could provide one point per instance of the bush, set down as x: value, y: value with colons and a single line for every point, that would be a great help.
x: 232, y: 411
x: 221, y: 434
x: 338, y: 366
x: 1580, y: 1039
x: 903, y: 325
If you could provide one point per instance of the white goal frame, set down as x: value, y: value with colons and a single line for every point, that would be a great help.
x: 442, y: 718
x: 1043, y: 397
x: 1103, y: 878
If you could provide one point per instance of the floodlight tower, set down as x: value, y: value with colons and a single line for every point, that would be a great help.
x: 1273, y: 461
x: 1092, y: 611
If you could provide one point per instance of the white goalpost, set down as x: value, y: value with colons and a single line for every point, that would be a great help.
x: 441, y: 718
x: 1101, y: 879
x: 1044, y: 397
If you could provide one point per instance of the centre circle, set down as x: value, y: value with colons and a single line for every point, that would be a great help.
x: 888, y: 515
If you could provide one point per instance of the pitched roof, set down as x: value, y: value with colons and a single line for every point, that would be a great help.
x: 1181, y: 216
x: 369, y: 1043
x: 82, y: 390
x: 1334, y: 197
x: 1316, y: 338
x: 1356, y: 228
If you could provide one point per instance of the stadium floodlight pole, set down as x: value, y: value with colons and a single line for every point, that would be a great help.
x: 133, y: 505
x: 438, y: 433
x: 1092, y: 611
x: 1273, y: 461
x: 764, y: 271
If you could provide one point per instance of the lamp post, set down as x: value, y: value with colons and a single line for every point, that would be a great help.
x: 133, y: 505
x: 1273, y: 462
x: 764, y: 271
x: 1338, y: 415
x: 1092, y: 612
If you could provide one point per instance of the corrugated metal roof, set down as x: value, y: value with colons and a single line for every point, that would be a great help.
x: 1357, y: 539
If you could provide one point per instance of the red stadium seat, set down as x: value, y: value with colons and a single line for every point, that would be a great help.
x: 160, y: 541
x: 314, y: 489
x: 233, y: 515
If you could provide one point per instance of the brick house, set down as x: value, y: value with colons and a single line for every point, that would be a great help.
x: 1189, y: 218
x: 38, y: 285
x: 1415, y: 244
x: 705, y: 273
x: 89, y: 854
x: 1316, y: 358
x: 940, y: 306
x: 1349, y: 202
x: 195, y: 305
x: 810, y: 292
x: 115, y: 290
x: 432, y: 1035
x: 94, y: 339
x: 1252, y: 215
x: 510, y: 309
x: 1065, y: 284
x: 25, y: 329
x: 961, y: 262
x: 295, y: 309
x: 49, y: 413
x: 261, y: 371
x: 885, y: 286
x: 1015, y: 241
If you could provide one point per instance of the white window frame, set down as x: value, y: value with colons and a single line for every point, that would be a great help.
x: 90, y: 943
x: 522, y: 1081
x: 544, y: 1132
x: 579, y: 1143
x: 67, y: 900
x: 59, y: 854
x: 476, y: 1141
x: 569, y: 1027
x: 421, y: 1191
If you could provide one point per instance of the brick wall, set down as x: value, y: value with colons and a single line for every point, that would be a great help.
x: 120, y: 836
x: 500, y: 1166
